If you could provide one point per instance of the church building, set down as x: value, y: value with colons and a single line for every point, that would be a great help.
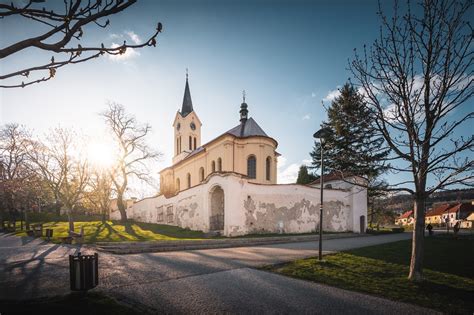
x: 245, y: 149
x: 228, y: 185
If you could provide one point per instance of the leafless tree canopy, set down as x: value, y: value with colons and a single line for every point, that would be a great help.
x: 16, y: 175
x: 64, y: 29
x: 59, y: 162
x: 417, y: 77
x: 133, y: 151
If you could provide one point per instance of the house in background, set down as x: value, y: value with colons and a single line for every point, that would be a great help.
x: 458, y: 212
x: 468, y: 223
x: 435, y: 216
x: 451, y: 214
x: 405, y: 219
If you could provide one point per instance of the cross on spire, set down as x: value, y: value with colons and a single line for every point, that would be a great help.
x: 187, y: 73
x: 243, y: 95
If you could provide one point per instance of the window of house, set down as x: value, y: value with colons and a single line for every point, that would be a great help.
x: 194, y: 143
x: 190, y: 143
x: 213, y: 166
x: 252, y: 167
x: 169, y: 214
x: 189, y: 180
x: 160, y: 216
x: 268, y: 164
x: 219, y: 165
x: 201, y: 174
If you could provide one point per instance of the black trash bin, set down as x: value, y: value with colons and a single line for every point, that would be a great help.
x: 84, y: 271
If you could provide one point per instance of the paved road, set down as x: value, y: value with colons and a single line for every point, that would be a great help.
x: 199, y: 281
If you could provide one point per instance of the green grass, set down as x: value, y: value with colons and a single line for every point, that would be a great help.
x: 382, y: 270
x: 110, y: 231
x: 91, y: 303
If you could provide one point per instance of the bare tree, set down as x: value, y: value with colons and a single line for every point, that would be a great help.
x: 65, y: 169
x: 15, y: 172
x: 133, y: 151
x: 417, y: 77
x: 63, y: 30
x: 100, y: 192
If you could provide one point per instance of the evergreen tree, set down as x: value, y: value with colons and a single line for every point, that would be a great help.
x: 304, y: 177
x: 353, y: 147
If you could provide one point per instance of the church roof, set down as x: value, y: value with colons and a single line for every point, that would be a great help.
x: 187, y: 102
x: 247, y: 128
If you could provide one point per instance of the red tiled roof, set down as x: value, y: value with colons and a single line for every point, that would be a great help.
x: 451, y: 208
x: 407, y: 214
x: 439, y: 210
x: 454, y: 208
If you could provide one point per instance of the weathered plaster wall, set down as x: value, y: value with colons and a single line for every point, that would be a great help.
x: 255, y: 208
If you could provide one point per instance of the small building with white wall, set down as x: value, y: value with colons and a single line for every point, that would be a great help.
x: 230, y: 186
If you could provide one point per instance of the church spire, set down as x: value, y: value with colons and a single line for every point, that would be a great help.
x: 187, y: 102
x: 243, y: 109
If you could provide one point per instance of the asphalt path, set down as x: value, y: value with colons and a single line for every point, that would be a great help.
x: 198, y: 281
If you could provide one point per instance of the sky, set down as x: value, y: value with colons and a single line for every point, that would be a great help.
x: 289, y: 57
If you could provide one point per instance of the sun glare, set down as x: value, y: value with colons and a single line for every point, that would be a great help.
x: 101, y: 154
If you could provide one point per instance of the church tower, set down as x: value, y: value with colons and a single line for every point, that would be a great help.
x: 187, y: 128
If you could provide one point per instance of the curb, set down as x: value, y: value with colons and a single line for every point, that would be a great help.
x: 125, y: 248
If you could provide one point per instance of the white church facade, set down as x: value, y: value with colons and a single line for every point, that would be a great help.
x: 229, y: 186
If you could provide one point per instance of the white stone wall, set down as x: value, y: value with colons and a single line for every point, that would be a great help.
x: 256, y: 208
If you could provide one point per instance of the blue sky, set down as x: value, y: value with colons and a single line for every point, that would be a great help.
x: 288, y: 56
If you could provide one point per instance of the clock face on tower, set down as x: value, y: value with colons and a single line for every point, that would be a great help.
x: 193, y: 126
x: 178, y: 126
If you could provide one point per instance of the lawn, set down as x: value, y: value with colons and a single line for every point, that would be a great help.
x: 91, y: 303
x: 382, y: 270
x: 111, y: 231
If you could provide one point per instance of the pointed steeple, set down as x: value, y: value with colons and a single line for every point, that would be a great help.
x: 187, y: 102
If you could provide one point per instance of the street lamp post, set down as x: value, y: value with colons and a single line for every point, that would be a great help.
x: 321, y: 134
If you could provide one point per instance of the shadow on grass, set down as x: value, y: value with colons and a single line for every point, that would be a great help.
x: 438, y: 254
x: 130, y: 230
x: 99, y: 228
x: 111, y: 230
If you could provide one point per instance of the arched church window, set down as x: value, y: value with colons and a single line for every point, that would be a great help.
x: 201, y: 174
x: 252, y: 166
x: 194, y: 143
x: 177, y: 146
x: 219, y: 165
x: 268, y: 164
x: 213, y: 166
x: 190, y: 143
x: 189, y: 180
x: 177, y: 184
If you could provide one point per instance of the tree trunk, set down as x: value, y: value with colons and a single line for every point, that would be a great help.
x: 121, y: 207
x: 27, y: 221
x: 70, y: 218
x: 416, y: 264
x: 57, y: 206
